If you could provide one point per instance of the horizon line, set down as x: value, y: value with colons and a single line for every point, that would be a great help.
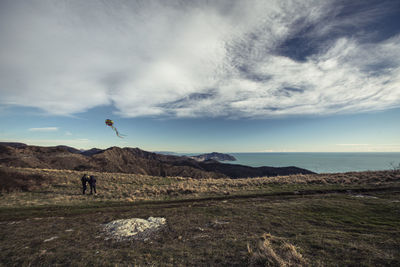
x: 201, y: 152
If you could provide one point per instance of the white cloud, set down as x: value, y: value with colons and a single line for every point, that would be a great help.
x: 189, y: 59
x: 43, y: 129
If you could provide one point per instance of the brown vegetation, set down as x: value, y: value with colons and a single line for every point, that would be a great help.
x: 12, y: 180
x: 64, y: 187
x: 274, y: 251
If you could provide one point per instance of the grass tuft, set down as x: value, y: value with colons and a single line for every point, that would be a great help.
x: 274, y: 251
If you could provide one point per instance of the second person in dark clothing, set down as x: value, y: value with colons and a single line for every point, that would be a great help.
x: 92, y: 183
x: 84, y: 180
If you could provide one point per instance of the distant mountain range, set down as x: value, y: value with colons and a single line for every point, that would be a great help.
x: 129, y: 160
x: 214, y: 156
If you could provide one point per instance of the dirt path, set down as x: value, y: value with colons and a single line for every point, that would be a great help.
x: 7, y: 214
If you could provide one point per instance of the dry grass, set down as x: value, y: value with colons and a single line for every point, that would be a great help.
x: 328, y: 230
x: 275, y: 251
x: 12, y: 181
x: 63, y: 187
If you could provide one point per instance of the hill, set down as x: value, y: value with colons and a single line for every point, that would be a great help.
x: 214, y: 156
x: 13, y: 144
x: 130, y: 160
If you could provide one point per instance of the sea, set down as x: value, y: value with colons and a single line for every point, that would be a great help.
x: 322, y: 162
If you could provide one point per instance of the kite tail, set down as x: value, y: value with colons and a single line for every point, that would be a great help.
x: 118, y: 134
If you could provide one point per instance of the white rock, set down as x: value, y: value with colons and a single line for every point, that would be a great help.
x: 135, y: 227
x: 364, y: 196
x: 50, y: 239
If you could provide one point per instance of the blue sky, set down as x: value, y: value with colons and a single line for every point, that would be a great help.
x: 202, y: 76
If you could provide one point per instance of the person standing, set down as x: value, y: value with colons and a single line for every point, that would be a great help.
x: 84, y: 180
x: 92, y: 183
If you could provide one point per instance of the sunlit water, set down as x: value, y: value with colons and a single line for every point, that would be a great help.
x: 321, y: 162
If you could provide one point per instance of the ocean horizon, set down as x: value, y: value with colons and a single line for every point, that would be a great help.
x: 319, y: 162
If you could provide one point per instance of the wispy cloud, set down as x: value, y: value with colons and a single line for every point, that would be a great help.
x: 352, y: 144
x: 368, y: 147
x: 339, y: 148
x: 43, y: 129
x: 202, y: 58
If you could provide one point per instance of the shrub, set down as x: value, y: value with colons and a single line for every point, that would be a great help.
x: 11, y: 180
x: 274, y: 251
x: 395, y: 167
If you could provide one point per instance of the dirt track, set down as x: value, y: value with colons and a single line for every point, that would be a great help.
x: 50, y: 211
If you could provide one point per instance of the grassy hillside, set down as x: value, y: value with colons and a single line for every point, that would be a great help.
x: 280, y: 221
x: 33, y: 187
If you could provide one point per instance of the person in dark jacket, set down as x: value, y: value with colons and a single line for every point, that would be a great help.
x: 92, y: 183
x: 84, y: 180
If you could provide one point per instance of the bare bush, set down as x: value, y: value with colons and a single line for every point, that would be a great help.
x: 394, y: 167
x: 274, y: 251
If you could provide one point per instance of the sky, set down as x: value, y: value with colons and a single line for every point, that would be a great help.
x: 202, y: 76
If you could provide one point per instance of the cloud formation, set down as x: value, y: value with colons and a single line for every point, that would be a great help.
x: 200, y: 58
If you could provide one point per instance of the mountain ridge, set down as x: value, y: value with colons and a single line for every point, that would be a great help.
x: 130, y: 160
